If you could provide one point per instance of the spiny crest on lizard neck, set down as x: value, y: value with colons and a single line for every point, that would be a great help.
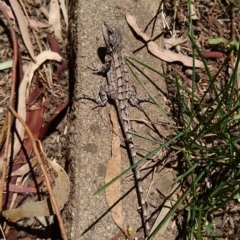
x: 112, y: 36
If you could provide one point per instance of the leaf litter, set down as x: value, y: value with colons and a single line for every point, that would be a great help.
x: 211, y: 22
x: 34, y: 187
x: 215, y: 30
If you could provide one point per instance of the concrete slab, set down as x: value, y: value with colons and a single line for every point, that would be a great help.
x: 87, y: 216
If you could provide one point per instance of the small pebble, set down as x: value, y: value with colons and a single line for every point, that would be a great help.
x: 189, y: 72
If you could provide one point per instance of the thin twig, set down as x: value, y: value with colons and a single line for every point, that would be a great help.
x: 3, y: 234
x: 11, y: 98
x: 3, y: 130
x: 51, y: 194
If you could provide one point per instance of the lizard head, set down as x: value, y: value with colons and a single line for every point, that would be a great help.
x: 112, y: 35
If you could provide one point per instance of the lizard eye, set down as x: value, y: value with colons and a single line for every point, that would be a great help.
x: 109, y: 32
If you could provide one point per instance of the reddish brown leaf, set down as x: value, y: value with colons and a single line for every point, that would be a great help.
x: 53, y: 43
x: 61, y: 68
x: 212, y: 54
x: 53, y: 119
x: 54, y: 46
x: 12, y: 234
x: 21, y: 189
x: 36, y: 92
x: 34, y: 122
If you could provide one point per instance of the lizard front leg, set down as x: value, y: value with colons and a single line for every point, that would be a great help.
x: 104, y: 91
x: 102, y: 68
x: 101, y: 101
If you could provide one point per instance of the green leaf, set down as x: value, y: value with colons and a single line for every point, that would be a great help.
x: 216, y: 41
x: 6, y: 65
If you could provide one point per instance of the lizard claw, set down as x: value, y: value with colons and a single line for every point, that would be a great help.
x: 95, y: 68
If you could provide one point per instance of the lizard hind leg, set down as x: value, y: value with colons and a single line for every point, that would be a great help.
x: 135, y: 101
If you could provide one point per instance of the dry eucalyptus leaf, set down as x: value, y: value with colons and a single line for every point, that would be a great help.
x: 24, y: 169
x: 163, y: 213
x: 61, y: 192
x: 54, y: 18
x: 163, y: 54
x: 64, y: 11
x: 22, y: 23
x: 173, y: 41
x: 114, y: 192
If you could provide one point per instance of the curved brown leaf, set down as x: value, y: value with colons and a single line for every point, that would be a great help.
x: 163, y: 54
x: 24, y: 92
x: 113, y: 192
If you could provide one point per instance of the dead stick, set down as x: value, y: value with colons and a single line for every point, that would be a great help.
x: 51, y: 194
x: 13, y: 85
